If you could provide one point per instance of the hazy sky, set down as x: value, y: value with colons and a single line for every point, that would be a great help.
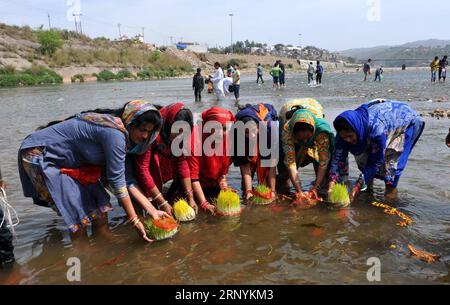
x: 330, y: 24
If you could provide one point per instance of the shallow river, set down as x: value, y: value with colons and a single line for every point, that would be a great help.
x: 266, y: 245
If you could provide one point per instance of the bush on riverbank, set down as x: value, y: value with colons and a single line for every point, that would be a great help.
x: 122, y: 56
x: 240, y: 62
x: 105, y: 76
x: 36, y: 75
x: 152, y: 73
x: 77, y: 77
x: 50, y: 41
x: 125, y: 74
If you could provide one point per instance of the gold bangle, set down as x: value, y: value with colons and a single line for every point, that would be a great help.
x: 156, y: 197
x: 163, y: 204
x: 136, y: 221
x: 132, y: 219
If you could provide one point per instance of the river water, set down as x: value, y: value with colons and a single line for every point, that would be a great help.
x: 266, y: 245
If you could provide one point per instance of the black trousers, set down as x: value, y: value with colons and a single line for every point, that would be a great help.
x: 6, y: 245
x: 319, y: 78
x: 259, y: 78
x: 198, y: 94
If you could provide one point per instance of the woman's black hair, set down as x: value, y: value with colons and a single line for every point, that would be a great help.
x: 246, y: 119
x: 148, y: 117
x: 302, y: 126
x: 184, y: 115
x: 342, y: 124
x: 294, y: 109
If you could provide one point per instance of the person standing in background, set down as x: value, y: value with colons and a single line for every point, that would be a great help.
x: 310, y: 73
x: 283, y: 74
x: 275, y: 73
x: 216, y: 80
x: 236, y: 81
x: 319, y: 73
x: 443, y: 68
x: 230, y: 70
x: 434, y: 68
x: 259, y: 74
x: 198, y: 84
x: 447, y: 140
x: 366, y: 69
x: 6, y: 238
x: 379, y: 73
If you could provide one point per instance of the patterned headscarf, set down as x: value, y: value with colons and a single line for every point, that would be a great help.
x: 305, y: 116
x: 132, y: 111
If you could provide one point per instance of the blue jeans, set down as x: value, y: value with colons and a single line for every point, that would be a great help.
x: 237, y: 91
x: 433, y: 76
x: 282, y: 79
x: 310, y: 78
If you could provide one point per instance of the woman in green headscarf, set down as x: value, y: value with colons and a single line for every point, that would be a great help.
x: 306, y: 138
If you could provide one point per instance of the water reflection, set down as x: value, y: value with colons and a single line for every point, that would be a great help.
x: 275, y: 244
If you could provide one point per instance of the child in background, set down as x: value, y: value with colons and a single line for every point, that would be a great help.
x: 319, y: 73
x: 275, y: 73
x: 443, y: 68
x: 434, y: 69
x: 259, y: 74
x: 379, y: 73
x: 198, y: 84
x: 236, y: 81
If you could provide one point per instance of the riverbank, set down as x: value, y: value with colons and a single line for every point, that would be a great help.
x: 77, y: 57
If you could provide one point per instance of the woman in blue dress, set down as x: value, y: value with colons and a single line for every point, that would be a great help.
x: 381, y: 135
x: 67, y: 164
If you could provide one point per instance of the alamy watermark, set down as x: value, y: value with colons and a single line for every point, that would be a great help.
x: 374, y: 272
x: 374, y: 10
x: 73, y: 274
x: 242, y: 140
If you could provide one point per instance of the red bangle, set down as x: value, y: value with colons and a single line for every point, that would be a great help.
x: 204, y: 204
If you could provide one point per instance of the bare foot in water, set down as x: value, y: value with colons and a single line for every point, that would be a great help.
x: 100, y: 228
x: 391, y: 193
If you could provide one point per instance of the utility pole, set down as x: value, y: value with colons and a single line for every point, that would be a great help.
x: 299, y: 40
x: 79, y: 21
x: 143, y: 32
x: 49, y: 23
x: 76, y: 23
x: 120, y: 34
x: 231, y: 17
x: 78, y: 28
x: 171, y: 40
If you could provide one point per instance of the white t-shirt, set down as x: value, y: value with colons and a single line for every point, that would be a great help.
x: 227, y: 82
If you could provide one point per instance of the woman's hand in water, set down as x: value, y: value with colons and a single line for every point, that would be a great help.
x: 193, y: 205
x: 330, y: 188
x: 157, y: 215
x: 168, y: 209
x: 313, y: 193
x: 354, y: 192
x: 139, y: 226
x: 248, y: 195
x: 211, y: 208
